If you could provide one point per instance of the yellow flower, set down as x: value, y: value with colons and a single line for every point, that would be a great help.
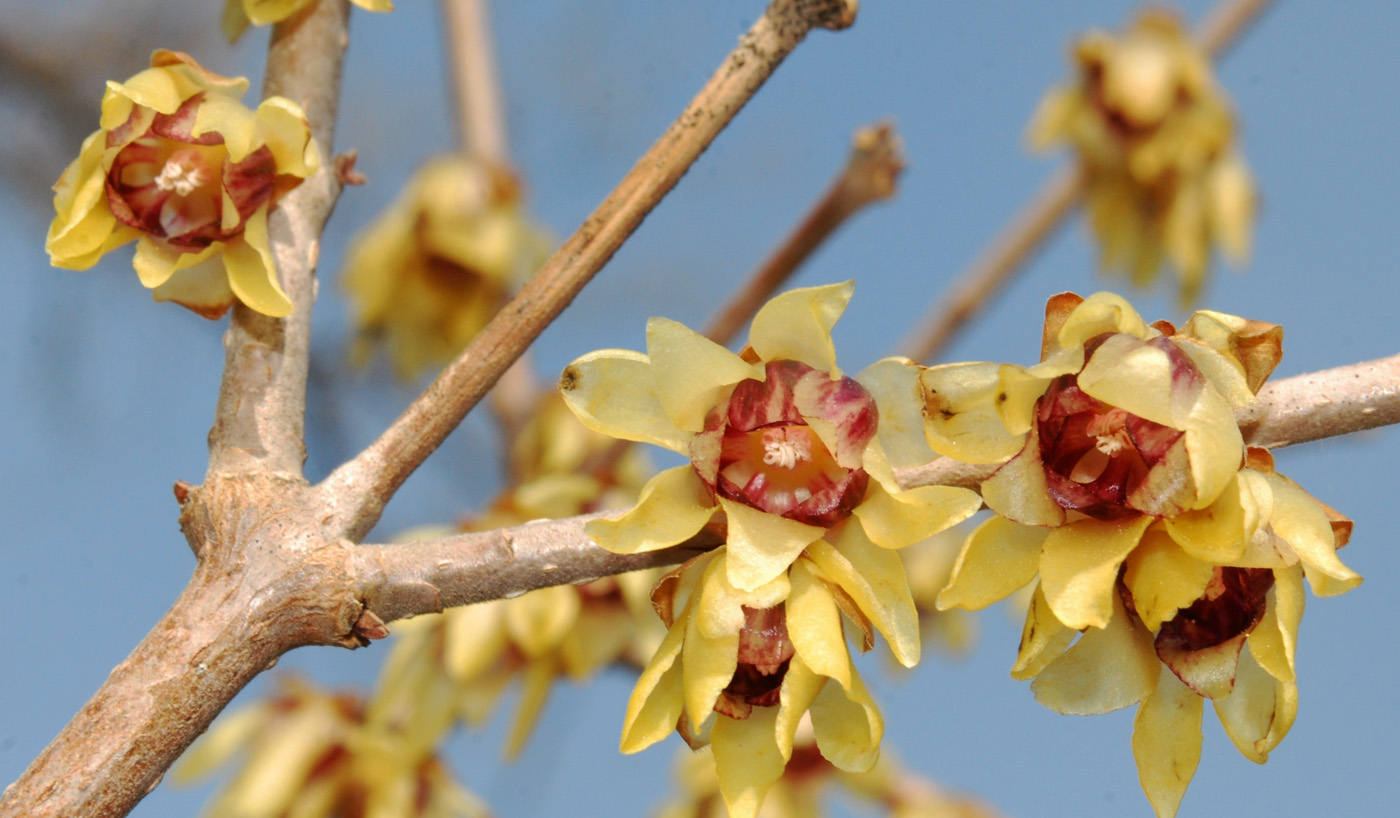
x: 181, y: 166
x: 779, y: 441
x: 314, y: 754
x: 428, y: 275
x: 238, y: 14
x: 1155, y: 135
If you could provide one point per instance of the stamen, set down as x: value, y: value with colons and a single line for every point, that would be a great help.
x: 1108, y: 444
x: 786, y: 447
x: 182, y: 173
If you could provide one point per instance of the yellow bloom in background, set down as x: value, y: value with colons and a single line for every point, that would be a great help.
x: 439, y: 262
x: 184, y: 169
x: 1157, y: 537
x: 929, y: 564
x: 238, y: 14
x: 309, y: 753
x: 1156, y: 138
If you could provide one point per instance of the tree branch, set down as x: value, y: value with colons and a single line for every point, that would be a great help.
x: 396, y: 581
x: 481, y: 129
x: 259, y: 418
x: 356, y: 492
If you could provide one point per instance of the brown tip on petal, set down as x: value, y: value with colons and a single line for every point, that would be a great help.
x: 344, y: 164
x: 1057, y: 311
x: 370, y: 626
x: 1259, y: 459
x: 182, y: 491
x: 1165, y: 327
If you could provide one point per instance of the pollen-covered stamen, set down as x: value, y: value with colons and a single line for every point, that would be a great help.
x: 183, y: 173
x: 786, y: 446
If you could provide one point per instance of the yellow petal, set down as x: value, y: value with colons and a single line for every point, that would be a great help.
x: 1079, y: 567
x: 1301, y: 522
x: 1108, y: 669
x: 1100, y: 313
x: 800, y: 687
x: 692, y: 373
x: 899, y: 520
x: 203, y: 287
x: 708, y: 662
x: 1223, y: 372
x: 231, y: 120
x: 155, y: 263
x: 673, y: 506
x: 1255, y: 346
x: 894, y: 383
x: 1018, y: 490
x: 997, y: 558
x: 599, y: 637
x: 747, y: 759
x: 1214, y: 444
x: 874, y: 579
x: 252, y: 274
x: 797, y: 325
x: 1260, y: 712
x: 814, y: 626
x: 848, y: 725
x: 1163, y: 578
x: 538, y: 620
x: 1135, y: 376
x: 962, y: 410
x: 1043, y: 639
x: 534, y: 695
x: 1274, y: 641
x: 656, y: 701
x: 1167, y: 743
x: 721, y: 605
x: 612, y: 391
x: 283, y: 128
x: 761, y: 545
x: 1220, y: 532
x: 473, y: 639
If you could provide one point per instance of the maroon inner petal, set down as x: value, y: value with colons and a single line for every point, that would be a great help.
x: 757, y: 403
x: 179, y: 126
x: 1211, y: 632
x: 846, y: 405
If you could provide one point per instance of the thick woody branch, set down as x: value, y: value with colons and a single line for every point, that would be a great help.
x: 396, y: 581
x: 258, y: 421
x: 357, y: 491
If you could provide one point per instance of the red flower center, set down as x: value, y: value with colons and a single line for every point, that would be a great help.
x: 764, y: 654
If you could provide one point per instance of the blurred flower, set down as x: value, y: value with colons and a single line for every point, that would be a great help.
x: 778, y: 440
x: 184, y: 168
x: 929, y: 564
x: 1154, y: 532
x: 1155, y: 136
x: 313, y: 754
x: 238, y: 14
x: 440, y: 261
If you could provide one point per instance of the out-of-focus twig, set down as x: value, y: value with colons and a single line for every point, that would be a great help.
x: 481, y: 129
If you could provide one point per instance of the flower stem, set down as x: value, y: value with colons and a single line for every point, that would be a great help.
x: 358, y: 490
x: 1043, y: 214
x: 481, y: 129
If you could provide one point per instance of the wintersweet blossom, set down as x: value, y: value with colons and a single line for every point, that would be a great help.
x: 439, y: 262
x: 1156, y: 138
x: 184, y: 169
x: 1157, y: 537
x: 239, y: 14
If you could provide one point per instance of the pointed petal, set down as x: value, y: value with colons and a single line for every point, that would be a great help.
x: 1043, y: 639
x: 1214, y: 443
x: 203, y: 287
x: 1139, y: 377
x: 1260, y: 712
x: 1099, y: 313
x: 156, y: 264
x: 707, y: 662
x: 848, y: 725
x: 797, y: 325
x: 1167, y: 743
x: 747, y: 759
x: 961, y: 407
x: 1163, y: 578
x: 282, y: 126
x: 1019, y: 491
x: 473, y: 639
x: 997, y: 558
x: 894, y: 383
x: 1299, y: 519
x: 1108, y: 669
x: 1079, y: 567
x: 874, y: 578
x: 613, y: 391
x: 656, y: 701
x: 800, y: 688
x: 1274, y: 642
x: 673, y: 506
x: 1255, y: 346
x: 899, y: 520
x: 539, y: 678
x: 1219, y: 532
x: 692, y: 373
x: 761, y: 545
x: 814, y: 626
x: 252, y: 274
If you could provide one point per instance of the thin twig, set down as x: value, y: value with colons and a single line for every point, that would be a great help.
x: 481, y: 129
x: 260, y: 416
x: 357, y: 491
x: 1017, y: 243
x: 406, y: 580
x: 869, y: 176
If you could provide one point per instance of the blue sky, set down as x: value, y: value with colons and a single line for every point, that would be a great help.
x: 107, y: 397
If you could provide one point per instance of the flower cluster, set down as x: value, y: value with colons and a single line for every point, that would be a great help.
x: 1155, y: 137
x: 1157, y: 537
x: 309, y: 753
x: 239, y: 14
x: 439, y: 262
x: 183, y: 168
x: 786, y: 457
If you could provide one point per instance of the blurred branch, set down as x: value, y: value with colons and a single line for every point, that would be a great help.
x: 396, y: 581
x: 1043, y: 214
x: 357, y: 491
x: 481, y: 128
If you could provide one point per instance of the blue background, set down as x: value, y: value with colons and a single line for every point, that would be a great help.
x: 107, y: 397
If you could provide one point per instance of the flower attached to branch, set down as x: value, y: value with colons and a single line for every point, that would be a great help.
x: 239, y: 14
x: 787, y: 454
x: 1155, y: 136
x: 427, y: 276
x: 1158, y: 538
x: 184, y: 169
